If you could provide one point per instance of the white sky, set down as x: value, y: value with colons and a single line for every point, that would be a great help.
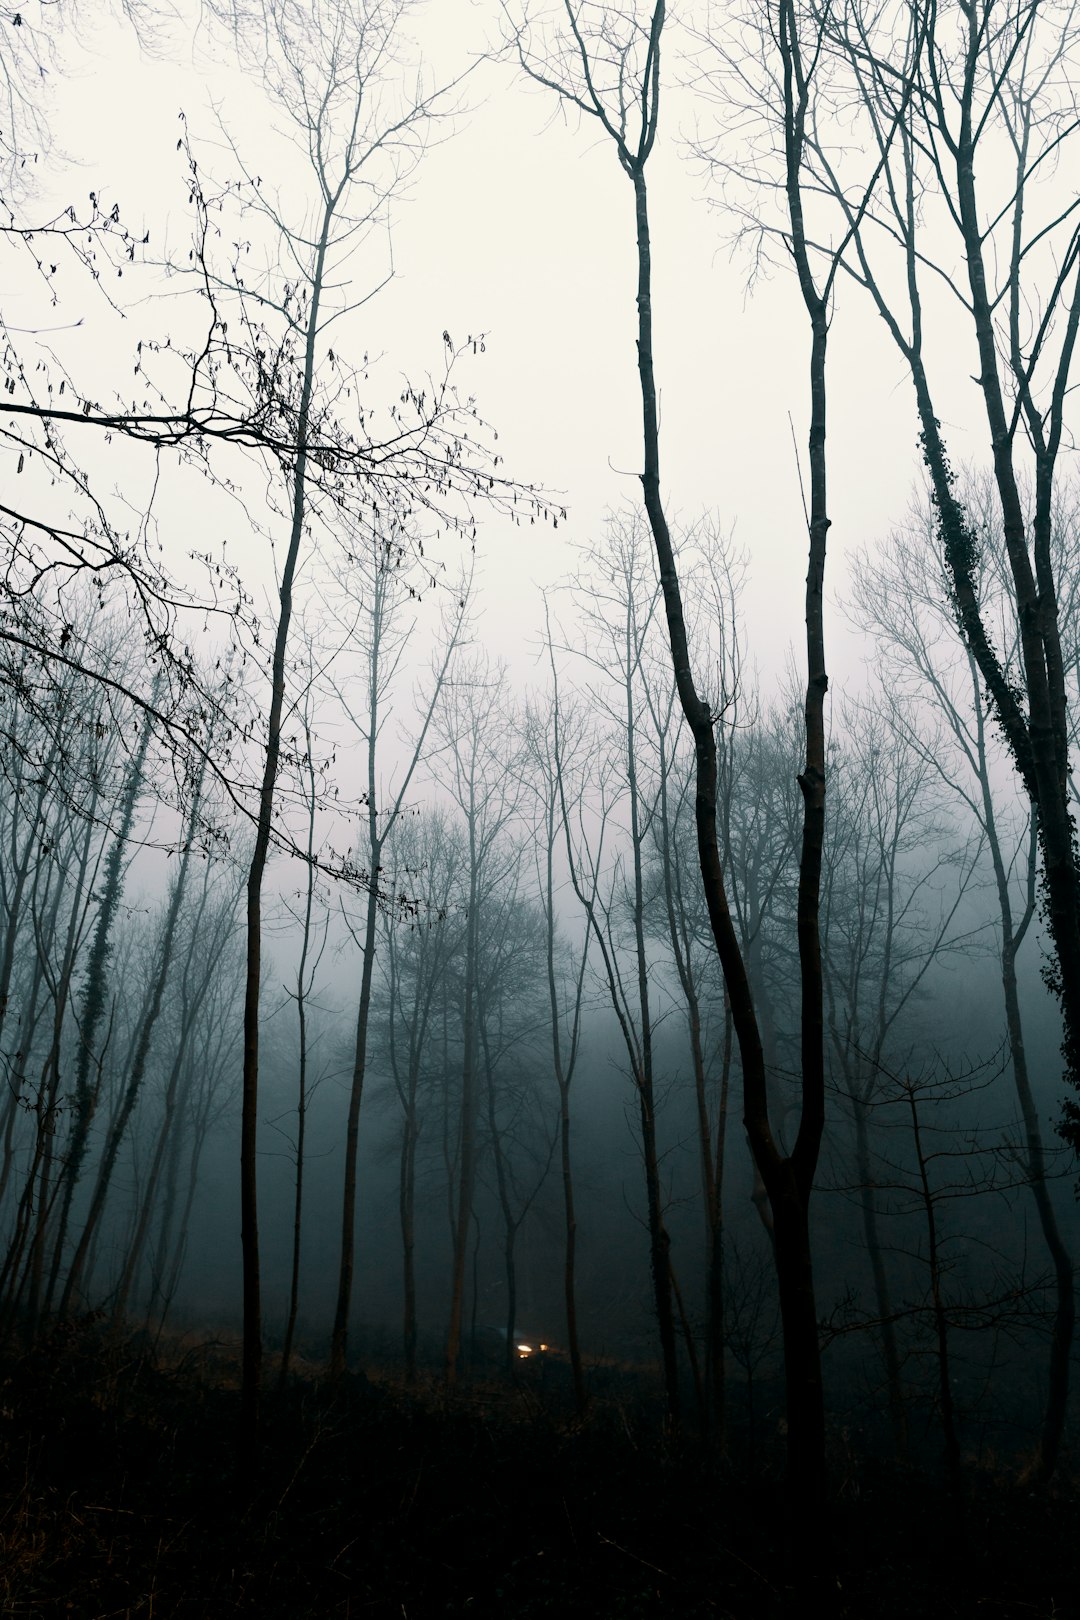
x: 521, y: 226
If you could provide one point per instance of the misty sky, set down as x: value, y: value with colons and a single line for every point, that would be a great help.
x: 518, y: 223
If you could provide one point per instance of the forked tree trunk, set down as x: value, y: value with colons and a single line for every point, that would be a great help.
x: 788, y: 1179
x: 249, y: 1118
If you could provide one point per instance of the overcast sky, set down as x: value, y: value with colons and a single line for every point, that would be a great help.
x: 519, y: 224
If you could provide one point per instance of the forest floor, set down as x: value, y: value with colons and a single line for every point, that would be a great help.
x: 120, y: 1496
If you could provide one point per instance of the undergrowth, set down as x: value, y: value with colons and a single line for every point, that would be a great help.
x: 120, y: 1497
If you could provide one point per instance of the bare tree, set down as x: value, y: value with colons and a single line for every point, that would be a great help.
x: 964, y: 88
x: 60, y: 919
x: 945, y: 1155
x: 208, y: 927
x: 314, y: 933
x: 423, y: 862
x: 605, y: 61
x: 556, y: 737
x: 381, y: 589
x: 206, y: 1097
x: 337, y: 73
x: 140, y: 1054
x: 510, y: 1007
x: 891, y: 913
x: 901, y: 599
x: 474, y: 729
x: 618, y: 600
x: 95, y: 996
x: 264, y: 375
x: 679, y: 916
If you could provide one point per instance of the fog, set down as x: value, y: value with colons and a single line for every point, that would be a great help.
x: 491, y: 897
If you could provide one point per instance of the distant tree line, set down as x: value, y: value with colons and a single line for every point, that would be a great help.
x: 647, y: 839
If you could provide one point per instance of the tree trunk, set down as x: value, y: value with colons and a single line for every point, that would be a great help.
x: 339, y: 1337
x: 36, y: 1203
x: 1057, y: 1395
x: 940, y: 1317
x: 787, y: 1181
x: 249, y: 1123
x: 882, y: 1297
x: 467, y: 1139
x: 95, y: 995
x: 119, y: 1125
x: 189, y: 1008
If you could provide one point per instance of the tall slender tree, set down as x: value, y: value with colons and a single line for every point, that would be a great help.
x: 900, y: 599
x: 556, y: 738
x: 472, y: 726
x: 964, y: 87
x: 382, y: 591
x: 606, y: 61
x: 95, y: 993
